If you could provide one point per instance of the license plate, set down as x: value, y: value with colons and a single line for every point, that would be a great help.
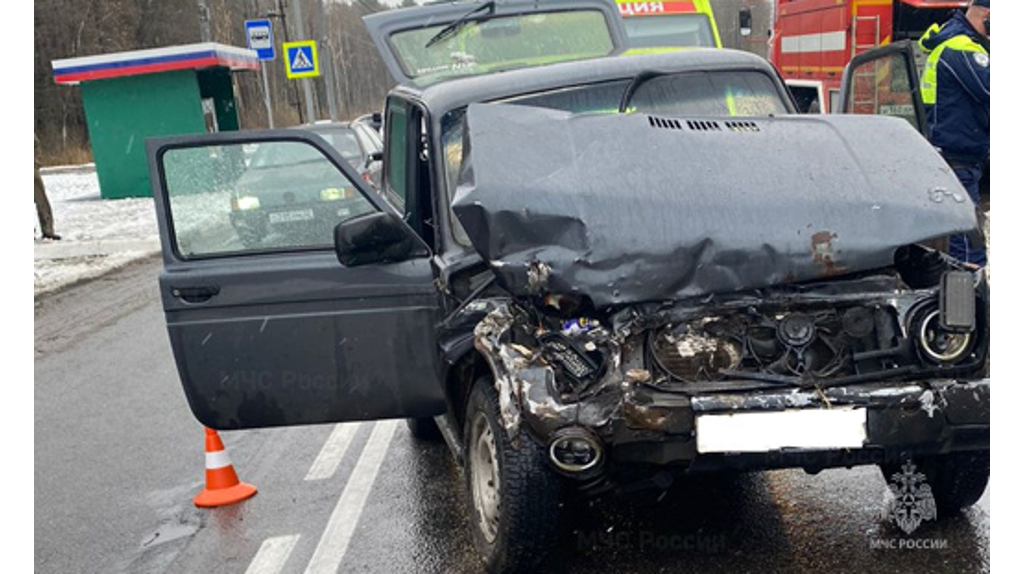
x: 767, y: 431
x: 290, y: 216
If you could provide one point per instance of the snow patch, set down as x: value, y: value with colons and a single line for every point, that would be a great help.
x: 97, y: 235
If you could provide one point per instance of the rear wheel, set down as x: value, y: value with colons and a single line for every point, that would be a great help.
x: 515, y: 496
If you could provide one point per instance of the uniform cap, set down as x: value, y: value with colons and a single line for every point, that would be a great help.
x: 982, y: 3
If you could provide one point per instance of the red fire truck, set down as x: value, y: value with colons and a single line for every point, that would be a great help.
x: 813, y: 40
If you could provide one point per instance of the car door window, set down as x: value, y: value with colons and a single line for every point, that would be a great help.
x: 397, y: 142
x: 254, y: 198
x: 883, y: 82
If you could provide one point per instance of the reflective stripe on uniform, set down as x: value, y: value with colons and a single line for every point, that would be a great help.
x: 929, y: 80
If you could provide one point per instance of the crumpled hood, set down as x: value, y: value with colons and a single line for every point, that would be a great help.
x: 626, y: 208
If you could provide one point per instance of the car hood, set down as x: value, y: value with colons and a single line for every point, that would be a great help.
x: 625, y: 208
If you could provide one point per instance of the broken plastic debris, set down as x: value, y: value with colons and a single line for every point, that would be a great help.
x: 578, y: 325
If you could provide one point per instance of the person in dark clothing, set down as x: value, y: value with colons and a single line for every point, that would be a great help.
x: 956, y: 93
x: 43, y: 210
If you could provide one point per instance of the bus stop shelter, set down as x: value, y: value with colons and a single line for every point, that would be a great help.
x: 131, y: 96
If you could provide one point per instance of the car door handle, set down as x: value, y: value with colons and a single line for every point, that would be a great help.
x: 199, y: 294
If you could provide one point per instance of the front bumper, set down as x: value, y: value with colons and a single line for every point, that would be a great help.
x: 658, y: 428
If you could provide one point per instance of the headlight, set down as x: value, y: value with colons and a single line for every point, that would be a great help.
x: 331, y: 194
x: 575, y: 450
x: 336, y: 193
x: 245, y: 203
x: 940, y: 345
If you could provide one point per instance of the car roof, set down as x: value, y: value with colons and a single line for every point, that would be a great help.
x: 459, y: 92
x: 323, y: 125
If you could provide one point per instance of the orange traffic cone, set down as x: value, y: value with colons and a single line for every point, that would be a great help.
x: 222, y: 484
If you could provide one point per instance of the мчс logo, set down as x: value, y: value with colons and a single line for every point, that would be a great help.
x: 913, y: 502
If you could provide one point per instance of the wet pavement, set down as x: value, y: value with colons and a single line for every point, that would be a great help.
x: 779, y: 521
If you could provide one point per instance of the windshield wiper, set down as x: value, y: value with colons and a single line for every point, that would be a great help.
x: 457, y: 25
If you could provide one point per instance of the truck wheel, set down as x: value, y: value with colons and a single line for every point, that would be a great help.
x: 957, y: 480
x: 424, y: 429
x: 515, y: 497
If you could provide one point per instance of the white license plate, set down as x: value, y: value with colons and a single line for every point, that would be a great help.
x: 767, y: 431
x: 290, y: 216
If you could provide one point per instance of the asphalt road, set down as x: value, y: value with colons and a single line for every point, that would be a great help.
x: 119, y: 458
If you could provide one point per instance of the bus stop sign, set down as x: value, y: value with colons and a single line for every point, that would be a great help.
x: 259, y: 35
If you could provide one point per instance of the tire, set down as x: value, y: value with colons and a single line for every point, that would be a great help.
x: 515, y: 498
x: 957, y: 480
x: 424, y: 429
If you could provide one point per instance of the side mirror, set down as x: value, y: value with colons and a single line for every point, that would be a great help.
x: 746, y: 26
x: 376, y: 238
x: 374, y: 156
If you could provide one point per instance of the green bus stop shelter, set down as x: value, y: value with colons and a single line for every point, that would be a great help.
x: 131, y: 96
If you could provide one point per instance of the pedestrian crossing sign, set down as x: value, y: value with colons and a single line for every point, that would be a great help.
x: 300, y: 59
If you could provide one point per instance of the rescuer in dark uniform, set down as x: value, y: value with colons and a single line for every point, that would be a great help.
x: 955, y: 90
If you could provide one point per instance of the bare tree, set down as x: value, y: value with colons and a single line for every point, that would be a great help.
x: 74, y: 28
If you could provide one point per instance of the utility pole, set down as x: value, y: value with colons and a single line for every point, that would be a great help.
x: 307, y: 88
x: 289, y: 86
x: 204, y: 21
x: 326, y: 56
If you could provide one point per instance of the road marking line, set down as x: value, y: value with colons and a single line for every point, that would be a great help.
x: 272, y: 555
x: 333, y: 451
x: 342, y: 524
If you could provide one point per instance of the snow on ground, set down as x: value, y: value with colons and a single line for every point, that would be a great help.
x: 97, y: 235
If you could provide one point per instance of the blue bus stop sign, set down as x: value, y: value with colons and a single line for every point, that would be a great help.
x: 259, y: 36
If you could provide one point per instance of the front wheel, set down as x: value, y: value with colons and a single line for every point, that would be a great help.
x: 957, y: 480
x: 515, y: 496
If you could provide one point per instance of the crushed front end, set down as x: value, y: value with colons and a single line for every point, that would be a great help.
x: 835, y: 373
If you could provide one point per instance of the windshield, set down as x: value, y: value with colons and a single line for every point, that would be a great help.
x: 669, y: 30
x: 726, y: 93
x: 491, y: 44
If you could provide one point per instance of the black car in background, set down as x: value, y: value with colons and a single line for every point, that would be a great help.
x: 356, y: 141
x: 281, y: 196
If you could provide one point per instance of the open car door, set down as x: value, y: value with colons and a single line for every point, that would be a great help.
x: 884, y: 81
x: 267, y: 326
x: 426, y: 44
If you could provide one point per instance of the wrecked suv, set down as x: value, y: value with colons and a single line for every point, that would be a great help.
x: 589, y: 271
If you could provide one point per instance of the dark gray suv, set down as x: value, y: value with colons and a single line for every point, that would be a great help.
x: 589, y: 270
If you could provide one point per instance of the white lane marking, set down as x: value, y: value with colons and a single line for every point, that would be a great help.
x: 333, y: 451
x: 272, y: 555
x: 334, y: 541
